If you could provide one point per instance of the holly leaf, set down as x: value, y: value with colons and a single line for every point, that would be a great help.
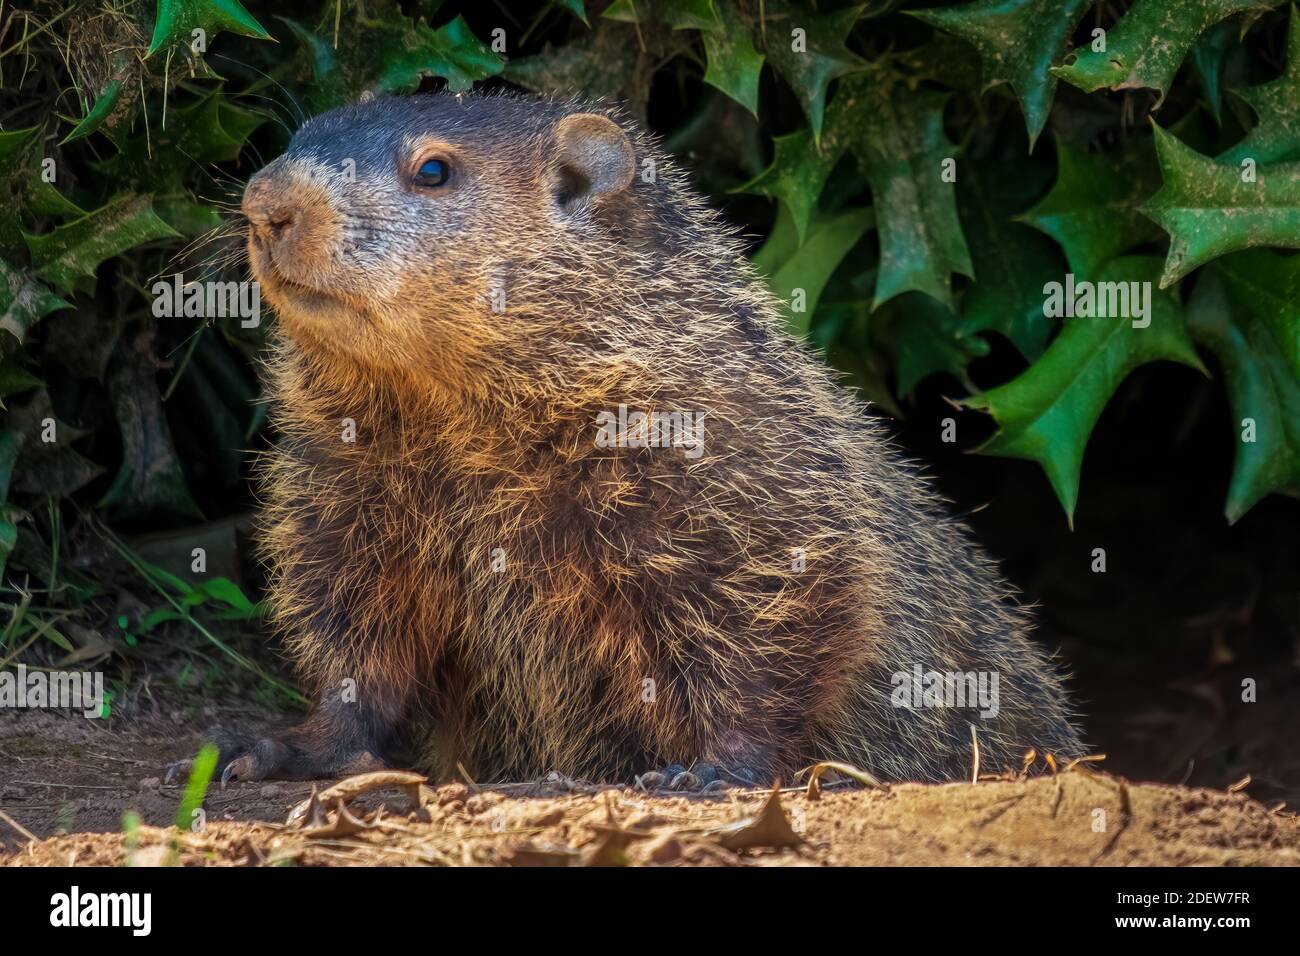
x: 75, y: 250
x: 931, y: 339
x: 797, y: 175
x: 1018, y: 41
x: 1209, y: 56
x: 1276, y: 136
x: 821, y: 55
x: 733, y: 63
x: 48, y: 464
x: 390, y: 53
x: 864, y: 364
x: 210, y: 130
x: 1210, y: 209
x: 24, y: 301
x: 898, y: 138
x: 799, y: 281
x: 23, y: 189
x: 1269, y: 284
x: 178, y: 19
x: 1047, y: 413
x: 187, y: 217
x: 607, y: 62
x: 678, y: 14
x: 14, y: 379
x: 105, y: 102
x: 1246, y: 310
x: 1092, y: 208
x: 328, y: 86
x: 576, y: 7
x: 1012, y: 263
x: 1146, y: 47
x: 451, y: 52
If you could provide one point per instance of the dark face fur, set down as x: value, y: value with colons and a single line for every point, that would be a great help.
x: 397, y: 232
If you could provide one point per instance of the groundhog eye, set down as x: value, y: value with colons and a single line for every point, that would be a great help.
x: 432, y: 172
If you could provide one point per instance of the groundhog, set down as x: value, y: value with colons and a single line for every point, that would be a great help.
x: 554, y: 489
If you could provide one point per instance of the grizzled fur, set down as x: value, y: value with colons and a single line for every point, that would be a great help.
x: 476, y: 431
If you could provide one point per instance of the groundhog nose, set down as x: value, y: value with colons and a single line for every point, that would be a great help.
x: 270, y: 212
x: 271, y: 222
x: 278, y: 221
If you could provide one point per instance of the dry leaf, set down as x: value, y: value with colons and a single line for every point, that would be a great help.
x: 848, y: 770
x: 771, y: 828
x: 353, y: 787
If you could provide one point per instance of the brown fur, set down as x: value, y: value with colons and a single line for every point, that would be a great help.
x: 475, y: 431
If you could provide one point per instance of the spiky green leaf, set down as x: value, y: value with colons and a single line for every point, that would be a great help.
x: 1018, y: 41
x: 809, y: 60
x: 1092, y: 208
x: 1047, y: 413
x: 1246, y: 310
x: 1275, y: 137
x: 1210, y: 209
x: 76, y: 249
x: 1145, y: 49
x: 24, y: 301
x: 803, y: 274
x: 177, y: 20
x: 733, y: 63
x: 898, y: 137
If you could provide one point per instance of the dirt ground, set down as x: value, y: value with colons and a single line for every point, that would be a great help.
x: 65, y: 783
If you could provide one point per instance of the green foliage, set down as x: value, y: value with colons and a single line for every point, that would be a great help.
x: 1093, y: 207
x: 901, y: 146
x: 1018, y: 41
x: 1210, y: 209
x: 1246, y: 310
x: 1048, y: 412
x: 178, y: 19
x: 918, y: 172
x: 1275, y: 137
x: 1150, y: 42
x: 75, y: 250
x: 734, y: 64
x: 196, y: 786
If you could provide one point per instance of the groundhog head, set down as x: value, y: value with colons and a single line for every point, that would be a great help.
x: 412, y: 231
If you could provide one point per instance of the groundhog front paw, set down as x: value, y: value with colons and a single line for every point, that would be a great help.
x: 700, y: 778
x: 243, y: 757
x: 275, y: 759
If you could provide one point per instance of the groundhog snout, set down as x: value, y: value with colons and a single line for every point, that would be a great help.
x: 288, y: 217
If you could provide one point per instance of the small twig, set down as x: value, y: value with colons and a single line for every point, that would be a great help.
x: 27, y: 37
x: 1077, y: 761
x: 846, y: 770
x: 975, y: 755
x: 19, y: 827
x: 465, y: 773
x: 67, y: 786
x: 1126, y: 817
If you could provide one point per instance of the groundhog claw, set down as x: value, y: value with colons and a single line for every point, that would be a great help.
x: 685, y: 781
x: 242, y: 768
x: 700, y: 778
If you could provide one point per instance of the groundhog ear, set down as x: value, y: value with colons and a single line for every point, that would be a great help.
x: 593, y: 157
